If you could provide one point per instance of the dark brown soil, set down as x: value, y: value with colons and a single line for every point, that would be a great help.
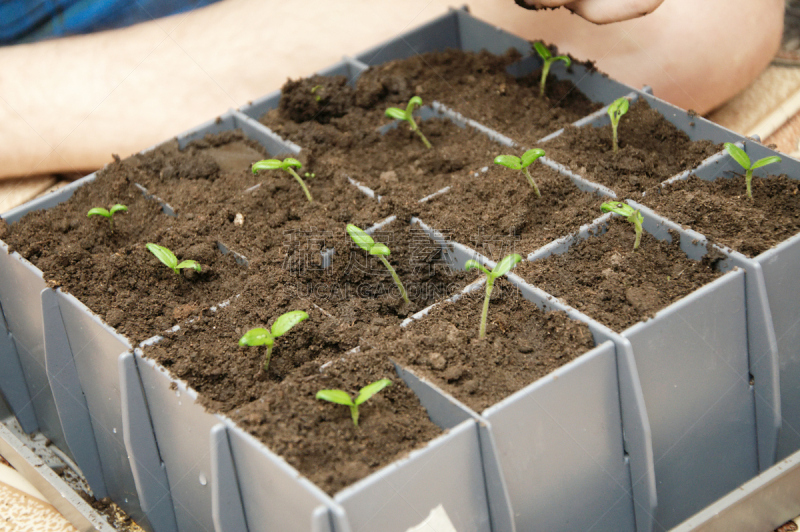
x: 497, y: 212
x: 279, y: 407
x: 358, y: 288
x: 463, y: 80
x: 398, y: 163
x: 206, y: 353
x: 721, y: 211
x: 651, y: 150
x: 319, y: 438
x: 606, y: 280
x: 116, y: 277
x: 340, y: 131
x: 522, y: 344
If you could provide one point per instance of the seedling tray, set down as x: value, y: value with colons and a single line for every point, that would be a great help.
x: 138, y: 436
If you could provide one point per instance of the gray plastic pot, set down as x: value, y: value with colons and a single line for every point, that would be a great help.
x: 778, y: 269
x: 693, y: 364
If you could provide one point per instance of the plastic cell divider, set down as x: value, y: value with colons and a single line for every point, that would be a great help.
x: 447, y: 412
x: 762, y: 348
x: 149, y: 472
x: 12, y: 380
x: 48, y: 200
x: 95, y: 351
x: 226, y: 501
x: 20, y: 295
x: 68, y: 394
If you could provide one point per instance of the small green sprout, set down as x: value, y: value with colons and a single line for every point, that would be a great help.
x: 108, y: 213
x: 309, y: 175
x: 314, y: 89
x: 169, y: 259
x: 261, y: 336
x: 502, y: 268
x: 365, y: 242
x: 547, y: 57
x: 399, y: 114
x: 522, y: 163
x: 633, y: 216
x: 617, y: 108
x: 341, y: 397
x: 286, y: 164
x: 742, y: 158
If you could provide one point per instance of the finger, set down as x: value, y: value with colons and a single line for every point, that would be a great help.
x: 607, y: 11
x: 542, y: 4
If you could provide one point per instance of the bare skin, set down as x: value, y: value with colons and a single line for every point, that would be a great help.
x: 602, y: 11
x: 67, y: 105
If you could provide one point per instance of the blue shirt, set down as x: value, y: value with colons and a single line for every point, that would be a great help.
x: 24, y: 21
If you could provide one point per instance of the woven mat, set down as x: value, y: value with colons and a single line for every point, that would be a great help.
x: 769, y: 108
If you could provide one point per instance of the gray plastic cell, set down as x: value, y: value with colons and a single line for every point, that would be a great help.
x: 692, y: 360
x: 780, y: 269
x: 541, y: 437
x: 206, y: 457
x: 12, y: 380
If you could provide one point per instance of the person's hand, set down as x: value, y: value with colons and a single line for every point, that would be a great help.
x: 599, y: 11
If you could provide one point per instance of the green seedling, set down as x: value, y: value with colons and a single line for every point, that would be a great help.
x: 365, y: 242
x: 549, y: 59
x: 309, y: 175
x: 108, y: 213
x: 522, y: 163
x: 399, y: 114
x: 170, y: 260
x: 340, y: 397
x: 633, y: 216
x: 502, y: 268
x: 615, y: 111
x: 261, y: 336
x: 314, y: 89
x: 286, y: 164
x: 742, y: 158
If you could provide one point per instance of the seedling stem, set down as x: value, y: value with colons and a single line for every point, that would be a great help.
x: 502, y: 268
x: 522, y: 163
x: 261, y: 336
x: 286, y: 164
x: 615, y: 111
x: 547, y: 57
x: 633, y: 216
x: 408, y: 116
x: 743, y: 159
x: 365, y: 242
